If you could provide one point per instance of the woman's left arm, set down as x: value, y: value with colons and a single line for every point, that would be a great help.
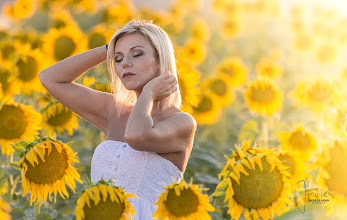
x: 140, y: 119
x: 169, y: 135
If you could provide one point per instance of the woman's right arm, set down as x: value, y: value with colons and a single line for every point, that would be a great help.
x: 92, y: 105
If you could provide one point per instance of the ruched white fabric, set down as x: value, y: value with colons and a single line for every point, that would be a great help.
x: 143, y: 173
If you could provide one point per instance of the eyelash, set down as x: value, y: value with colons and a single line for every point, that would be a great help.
x: 137, y: 55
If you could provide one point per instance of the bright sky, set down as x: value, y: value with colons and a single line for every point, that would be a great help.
x: 341, y: 5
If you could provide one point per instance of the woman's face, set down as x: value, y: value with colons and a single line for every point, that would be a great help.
x: 134, y: 54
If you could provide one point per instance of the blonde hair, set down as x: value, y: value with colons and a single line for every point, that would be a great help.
x: 162, y: 44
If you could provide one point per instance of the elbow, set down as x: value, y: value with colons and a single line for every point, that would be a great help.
x: 42, y: 77
x: 135, y: 141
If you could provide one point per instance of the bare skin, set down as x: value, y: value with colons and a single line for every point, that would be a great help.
x: 116, y: 132
x: 169, y: 133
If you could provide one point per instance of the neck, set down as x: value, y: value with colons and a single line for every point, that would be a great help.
x: 155, y: 109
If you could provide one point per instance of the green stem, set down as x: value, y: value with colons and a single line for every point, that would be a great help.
x: 37, y: 209
x: 265, y: 132
x: 10, y: 180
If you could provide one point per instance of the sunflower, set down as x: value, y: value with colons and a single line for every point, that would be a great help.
x: 231, y: 27
x: 81, y: 6
x: 61, y: 17
x: 327, y: 53
x: 117, y: 13
x: 188, y: 79
x: 220, y: 86
x: 53, y: 169
x: 193, y: 51
x: 59, y: 118
x: 99, y: 36
x: 17, y: 122
x: 109, y: 202
x: 235, y: 69
x: 20, y: 9
x: 263, y: 97
x: 255, y: 182
x: 227, y: 6
x: 183, y: 201
x: 297, y: 167
x: 8, y: 75
x: 303, y: 42
x: 331, y: 165
x: 7, y: 49
x: 64, y: 42
x: 5, y: 209
x: 29, y: 63
x: 268, y: 7
x: 103, y: 87
x: 299, y: 140
x: 269, y: 68
x: 317, y: 94
x: 208, y: 110
x: 200, y: 30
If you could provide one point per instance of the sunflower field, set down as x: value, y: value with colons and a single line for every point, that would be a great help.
x: 264, y: 83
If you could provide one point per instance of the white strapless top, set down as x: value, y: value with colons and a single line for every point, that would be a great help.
x: 143, y: 173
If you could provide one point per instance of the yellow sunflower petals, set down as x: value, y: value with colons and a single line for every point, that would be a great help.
x: 233, y: 175
x: 255, y: 214
x: 177, y: 191
x: 276, y: 208
x: 241, y: 168
x: 246, y: 214
x: 257, y: 159
x: 252, y: 161
x: 103, y: 191
x: 246, y: 163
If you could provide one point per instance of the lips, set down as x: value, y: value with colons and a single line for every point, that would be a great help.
x: 127, y: 74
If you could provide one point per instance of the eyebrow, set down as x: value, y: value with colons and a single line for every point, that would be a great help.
x: 130, y: 48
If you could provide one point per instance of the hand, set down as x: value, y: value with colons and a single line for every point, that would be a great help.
x: 161, y: 86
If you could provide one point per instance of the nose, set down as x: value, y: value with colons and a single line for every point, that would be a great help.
x: 126, y: 62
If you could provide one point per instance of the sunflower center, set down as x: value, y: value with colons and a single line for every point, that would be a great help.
x: 288, y: 161
x: 60, y: 118
x: 12, y: 122
x: 205, y: 104
x: 230, y: 70
x: 4, y: 75
x: 192, y: 51
x: 336, y: 168
x: 299, y: 141
x: 58, y: 23
x: 319, y: 93
x: 260, y: 188
x: 96, y: 40
x: 27, y: 69
x: 53, y: 168
x: 7, y: 50
x: 262, y: 94
x: 104, y: 210
x: 182, y: 205
x: 64, y: 46
x: 219, y: 87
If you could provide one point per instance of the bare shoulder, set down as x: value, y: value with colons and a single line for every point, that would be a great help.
x: 185, y: 122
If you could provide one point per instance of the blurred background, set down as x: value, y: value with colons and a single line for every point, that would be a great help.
x: 268, y: 71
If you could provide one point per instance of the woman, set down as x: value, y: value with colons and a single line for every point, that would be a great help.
x: 149, y: 139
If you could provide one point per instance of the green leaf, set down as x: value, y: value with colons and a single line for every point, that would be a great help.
x: 18, y: 213
x: 20, y: 146
x: 43, y: 216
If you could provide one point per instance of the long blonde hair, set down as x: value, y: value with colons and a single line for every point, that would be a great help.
x: 162, y: 44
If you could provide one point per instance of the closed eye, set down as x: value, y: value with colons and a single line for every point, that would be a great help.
x: 137, y: 55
